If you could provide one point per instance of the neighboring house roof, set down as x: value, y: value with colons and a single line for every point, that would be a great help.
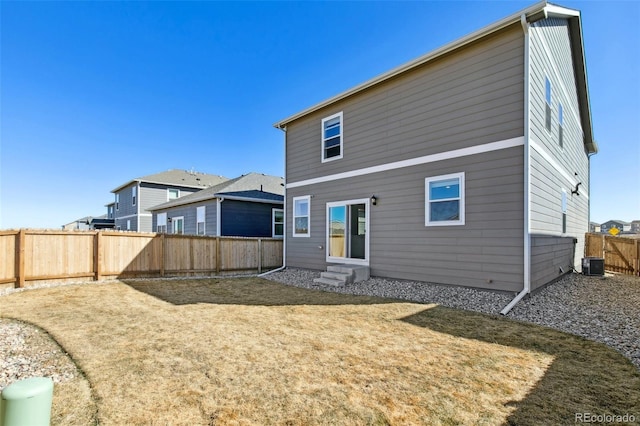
x: 184, y: 178
x: 621, y: 222
x: 250, y: 182
x: 532, y: 14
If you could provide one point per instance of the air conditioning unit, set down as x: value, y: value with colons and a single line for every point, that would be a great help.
x: 593, y: 266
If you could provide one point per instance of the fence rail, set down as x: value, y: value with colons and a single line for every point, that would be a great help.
x: 620, y: 254
x: 36, y: 255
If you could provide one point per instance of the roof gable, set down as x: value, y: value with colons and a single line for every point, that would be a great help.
x: 175, y: 177
x: 531, y: 14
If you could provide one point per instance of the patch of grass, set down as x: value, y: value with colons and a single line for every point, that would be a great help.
x: 250, y: 351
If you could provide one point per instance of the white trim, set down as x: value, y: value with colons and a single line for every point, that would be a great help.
x: 323, y: 139
x: 543, y: 153
x: 349, y: 260
x: 201, y: 213
x: 249, y: 199
x: 293, y: 216
x: 173, y: 224
x: 172, y: 189
x: 127, y: 216
x: 218, y: 217
x: 461, y: 198
x: 273, y: 223
x: 447, y: 155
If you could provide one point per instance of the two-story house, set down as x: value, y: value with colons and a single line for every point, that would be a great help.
x: 620, y: 225
x: 466, y: 166
x: 133, y: 199
x: 247, y: 206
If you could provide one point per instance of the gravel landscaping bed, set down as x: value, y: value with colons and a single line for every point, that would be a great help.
x: 604, y: 309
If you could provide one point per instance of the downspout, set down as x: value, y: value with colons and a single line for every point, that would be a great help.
x: 284, y: 208
x: 527, y: 176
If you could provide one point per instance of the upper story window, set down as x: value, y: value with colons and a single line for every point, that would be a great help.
x: 563, y: 206
x: 547, y: 108
x: 560, y: 125
x: 444, y: 200
x: 277, y: 230
x: 301, y: 216
x: 117, y: 201
x: 172, y: 194
x: 332, y: 131
x: 134, y: 195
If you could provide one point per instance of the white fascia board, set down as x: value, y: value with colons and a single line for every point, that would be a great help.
x: 249, y: 199
x: 456, y: 44
x: 554, y: 11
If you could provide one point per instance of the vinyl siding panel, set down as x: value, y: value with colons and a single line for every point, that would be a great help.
x: 550, y: 258
x: 189, y: 212
x: 246, y: 219
x: 125, y: 206
x: 485, y: 252
x: 551, y: 57
x: 467, y: 98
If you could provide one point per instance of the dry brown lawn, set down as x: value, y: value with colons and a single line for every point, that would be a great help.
x: 251, y: 351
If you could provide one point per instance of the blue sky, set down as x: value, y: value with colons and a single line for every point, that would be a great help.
x: 94, y: 94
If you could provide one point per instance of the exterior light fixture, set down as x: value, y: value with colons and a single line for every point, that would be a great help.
x: 374, y: 200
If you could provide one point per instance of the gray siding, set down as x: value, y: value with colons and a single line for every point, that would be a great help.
x: 485, y: 252
x: 247, y: 219
x: 468, y: 98
x: 189, y: 212
x: 125, y: 206
x: 550, y: 258
x: 551, y: 57
x: 472, y: 97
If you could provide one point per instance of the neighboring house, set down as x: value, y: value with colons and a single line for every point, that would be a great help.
x: 635, y: 226
x: 81, y: 224
x: 594, y: 227
x: 467, y: 166
x: 247, y: 206
x: 134, y: 198
x: 620, y: 225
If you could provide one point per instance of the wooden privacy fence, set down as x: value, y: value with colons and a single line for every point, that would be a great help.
x: 35, y: 255
x: 620, y: 254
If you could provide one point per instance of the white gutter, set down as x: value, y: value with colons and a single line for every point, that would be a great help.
x: 527, y: 174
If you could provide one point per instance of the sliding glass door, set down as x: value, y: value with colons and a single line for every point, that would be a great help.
x: 347, y: 231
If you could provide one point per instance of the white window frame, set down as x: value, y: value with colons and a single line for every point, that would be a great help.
x: 128, y: 224
x: 169, y: 192
x: 161, y: 225
x: 174, y: 222
x: 117, y: 202
x: 134, y: 195
x: 461, y: 198
x: 323, y: 139
x: 306, y: 198
x: 560, y: 126
x: 548, y: 97
x: 274, y: 223
x: 563, y: 207
x: 201, y: 219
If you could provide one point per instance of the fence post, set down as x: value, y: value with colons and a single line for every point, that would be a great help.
x: 97, y: 256
x: 259, y: 255
x: 163, y: 242
x: 19, y: 258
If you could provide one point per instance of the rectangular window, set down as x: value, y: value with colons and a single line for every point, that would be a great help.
x: 172, y: 194
x: 332, y: 132
x: 161, y: 227
x: 128, y: 224
x: 200, y: 214
x: 560, y: 125
x: 547, y: 97
x: 117, y: 201
x: 564, y: 211
x: 444, y: 200
x: 277, y: 230
x: 134, y: 195
x: 178, y: 225
x: 301, y: 216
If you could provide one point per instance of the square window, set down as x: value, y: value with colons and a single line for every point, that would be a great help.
x: 172, y: 194
x: 301, y: 216
x: 332, y: 131
x: 444, y: 200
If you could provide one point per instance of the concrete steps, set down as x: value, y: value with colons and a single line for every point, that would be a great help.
x: 341, y: 275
